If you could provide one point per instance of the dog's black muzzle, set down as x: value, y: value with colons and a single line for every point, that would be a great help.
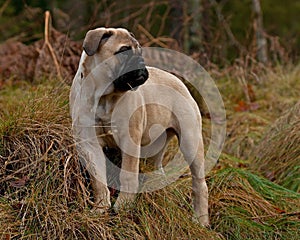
x: 132, y: 71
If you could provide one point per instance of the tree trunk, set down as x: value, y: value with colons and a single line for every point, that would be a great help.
x: 195, y: 30
x: 177, y: 21
x: 186, y: 24
x: 261, y: 42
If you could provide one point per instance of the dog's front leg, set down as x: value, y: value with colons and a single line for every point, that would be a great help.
x: 96, y: 166
x: 101, y: 195
x: 93, y: 159
x: 129, y: 182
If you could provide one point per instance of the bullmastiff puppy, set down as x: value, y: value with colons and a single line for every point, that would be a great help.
x: 118, y: 102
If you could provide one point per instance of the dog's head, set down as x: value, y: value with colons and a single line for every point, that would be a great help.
x: 118, y: 48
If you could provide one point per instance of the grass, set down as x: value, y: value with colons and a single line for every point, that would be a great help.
x: 45, y: 193
x: 249, y: 207
x: 278, y: 154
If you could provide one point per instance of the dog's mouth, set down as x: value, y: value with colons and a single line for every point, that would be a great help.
x: 131, y: 80
x: 132, y: 72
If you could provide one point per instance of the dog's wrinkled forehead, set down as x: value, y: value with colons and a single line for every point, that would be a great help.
x: 112, y: 38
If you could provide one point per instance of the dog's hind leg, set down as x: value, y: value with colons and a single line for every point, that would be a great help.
x: 158, y: 157
x: 194, y: 155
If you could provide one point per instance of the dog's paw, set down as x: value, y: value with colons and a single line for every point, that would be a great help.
x: 124, y: 201
x: 99, y: 210
x: 101, y: 207
x: 202, y: 220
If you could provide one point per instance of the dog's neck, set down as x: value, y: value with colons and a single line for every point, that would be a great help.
x: 106, y: 106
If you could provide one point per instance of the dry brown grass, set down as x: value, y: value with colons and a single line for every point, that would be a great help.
x: 45, y: 193
x: 246, y: 206
x: 44, y: 190
x: 272, y: 93
x: 277, y: 156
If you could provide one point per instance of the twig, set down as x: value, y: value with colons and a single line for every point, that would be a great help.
x: 226, y: 26
x: 164, y: 20
x: 42, y: 158
x: 244, y: 85
x: 47, y: 43
x: 151, y: 38
x: 4, y: 6
x: 275, y: 215
x: 65, y: 175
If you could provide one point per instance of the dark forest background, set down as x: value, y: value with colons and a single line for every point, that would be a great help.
x: 212, y: 31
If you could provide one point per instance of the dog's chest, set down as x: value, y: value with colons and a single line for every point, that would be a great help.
x: 105, y: 126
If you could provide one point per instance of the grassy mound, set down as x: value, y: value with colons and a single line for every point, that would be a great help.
x: 271, y: 92
x: 245, y: 206
x: 245, y: 129
x: 278, y: 154
x: 44, y: 192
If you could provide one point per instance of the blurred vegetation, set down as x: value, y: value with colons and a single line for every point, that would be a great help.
x: 169, y: 21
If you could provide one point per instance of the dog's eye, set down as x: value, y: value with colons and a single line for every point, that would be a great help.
x: 123, y: 49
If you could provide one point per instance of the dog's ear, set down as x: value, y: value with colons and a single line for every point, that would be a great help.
x: 94, y: 38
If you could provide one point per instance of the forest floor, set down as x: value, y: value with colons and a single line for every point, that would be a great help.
x: 44, y: 192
